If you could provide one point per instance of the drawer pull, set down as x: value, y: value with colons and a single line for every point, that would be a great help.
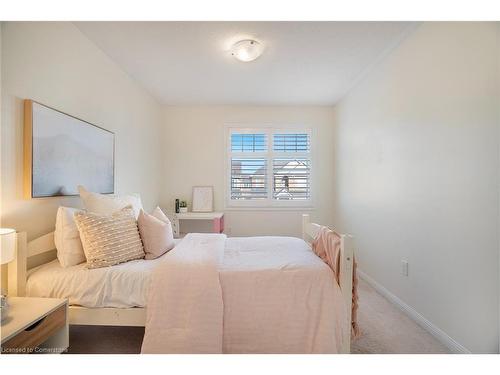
x: 34, y: 325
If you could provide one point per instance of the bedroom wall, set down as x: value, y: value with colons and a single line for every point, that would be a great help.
x: 498, y: 121
x: 3, y: 268
x: 55, y: 64
x: 417, y: 177
x: 194, y: 154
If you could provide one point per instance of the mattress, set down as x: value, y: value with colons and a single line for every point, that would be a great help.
x: 127, y: 285
x: 121, y: 286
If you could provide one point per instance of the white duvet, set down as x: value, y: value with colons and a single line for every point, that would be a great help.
x: 121, y: 286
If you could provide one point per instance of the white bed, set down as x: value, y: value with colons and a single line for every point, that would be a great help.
x: 121, y: 286
x: 117, y: 295
x: 126, y: 285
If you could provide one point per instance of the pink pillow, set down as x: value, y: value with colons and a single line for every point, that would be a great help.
x: 156, y: 233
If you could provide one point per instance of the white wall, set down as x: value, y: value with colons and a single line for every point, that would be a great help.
x: 3, y: 268
x: 1, y: 111
x: 194, y: 154
x: 417, y: 177
x: 498, y: 186
x: 55, y: 64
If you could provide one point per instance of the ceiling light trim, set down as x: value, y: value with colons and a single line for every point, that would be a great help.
x: 247, y: 50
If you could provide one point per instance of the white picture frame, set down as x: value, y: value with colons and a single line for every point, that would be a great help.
x: 203, y: 199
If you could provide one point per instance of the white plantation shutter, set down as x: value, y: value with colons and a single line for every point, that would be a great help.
x: 269, y: 166
x: 291, y: 179
x: 248, y: 170
x: 248, y: 142
x: 291, y: 142
x: 248, y: 179
x: 292, y: 171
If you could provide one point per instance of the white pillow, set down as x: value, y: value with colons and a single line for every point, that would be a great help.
x: 107, y: 204
x: 67, y: 238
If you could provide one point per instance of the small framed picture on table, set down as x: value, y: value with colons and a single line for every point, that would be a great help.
x: 203, y: 198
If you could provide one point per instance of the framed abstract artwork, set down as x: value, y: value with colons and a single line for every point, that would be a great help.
x: 203, y: 198
x: 62, y: 152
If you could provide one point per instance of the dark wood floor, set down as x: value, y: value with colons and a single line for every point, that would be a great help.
x: 105, y: 340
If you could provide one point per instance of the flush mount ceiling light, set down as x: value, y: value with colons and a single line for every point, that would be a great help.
x: 247, y: 50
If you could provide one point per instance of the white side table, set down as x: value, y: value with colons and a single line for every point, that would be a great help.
x: 35, y: 325
x: 217, y: 219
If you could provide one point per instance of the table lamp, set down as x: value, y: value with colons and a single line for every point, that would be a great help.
x: 7, y: 253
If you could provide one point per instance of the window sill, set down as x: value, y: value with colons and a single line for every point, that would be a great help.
x: 267, y: 208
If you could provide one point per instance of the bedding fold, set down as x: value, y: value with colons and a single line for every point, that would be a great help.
x: 185, y: 307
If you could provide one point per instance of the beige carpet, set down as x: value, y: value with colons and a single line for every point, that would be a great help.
x: 384, y: 329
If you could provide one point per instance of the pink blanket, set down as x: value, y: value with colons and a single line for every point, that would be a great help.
x: 185, y: 312
x: 327, y: 245
x: 243, y: 295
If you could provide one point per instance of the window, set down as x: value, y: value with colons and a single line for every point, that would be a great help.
x: 248, y: 178
x: 269, y: 167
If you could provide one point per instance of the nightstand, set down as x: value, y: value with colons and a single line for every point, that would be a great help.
x: 217, y: 219
x: 35, y: 325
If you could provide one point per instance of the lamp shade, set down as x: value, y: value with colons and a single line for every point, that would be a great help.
x: 7, y: 245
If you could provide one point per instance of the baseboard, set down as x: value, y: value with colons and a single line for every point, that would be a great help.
x: 439, y: 334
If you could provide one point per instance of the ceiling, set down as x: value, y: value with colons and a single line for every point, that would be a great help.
x: 188, y: 63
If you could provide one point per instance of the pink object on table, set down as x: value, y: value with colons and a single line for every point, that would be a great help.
x: 219, y: 224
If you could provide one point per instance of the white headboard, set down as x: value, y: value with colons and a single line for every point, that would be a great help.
x: 19, y: 266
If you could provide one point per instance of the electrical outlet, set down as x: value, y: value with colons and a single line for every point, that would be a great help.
x: 404, y: 268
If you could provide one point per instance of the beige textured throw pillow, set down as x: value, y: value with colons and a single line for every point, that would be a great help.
x: 156, y: 233
x: 104, y: 204
x: 109, y: 239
